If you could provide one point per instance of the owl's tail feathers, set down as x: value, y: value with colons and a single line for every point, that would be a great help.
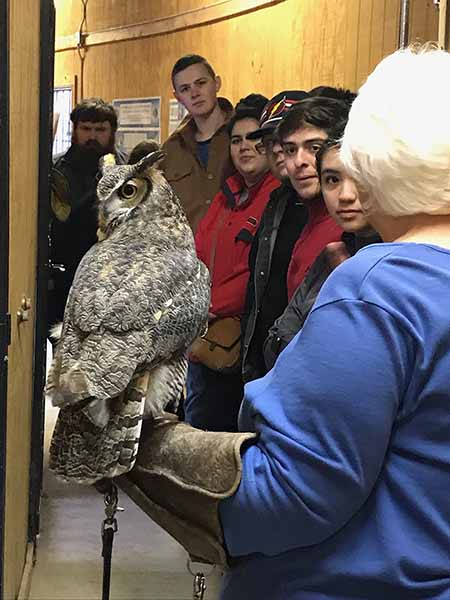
x: 165, y: 386
x: 85, y: 452
x: 52, y: 391
x: 98, y: 411
x: 56, y: 332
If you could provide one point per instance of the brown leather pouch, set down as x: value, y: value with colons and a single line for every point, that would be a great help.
x: 220, y: 348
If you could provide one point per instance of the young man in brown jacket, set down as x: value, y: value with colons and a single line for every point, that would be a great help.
x: 197, y: 153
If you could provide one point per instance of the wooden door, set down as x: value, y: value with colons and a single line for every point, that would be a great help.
x: 46, y: 134
x: 4, y: 263
x: 24, y: 48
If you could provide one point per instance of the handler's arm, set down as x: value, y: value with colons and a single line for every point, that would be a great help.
x: 324, y: 416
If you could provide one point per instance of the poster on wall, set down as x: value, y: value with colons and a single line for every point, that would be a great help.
x: 62, y: 125
x: 177, y: 112
x: 139, y: 120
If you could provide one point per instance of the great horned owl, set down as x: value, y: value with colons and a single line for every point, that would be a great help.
x: 139, y: 298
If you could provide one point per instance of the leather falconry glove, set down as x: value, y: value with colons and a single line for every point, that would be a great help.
x: 180, y: 476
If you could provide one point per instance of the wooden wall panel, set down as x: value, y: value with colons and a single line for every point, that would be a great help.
x: 391, y: 25
x: 423, y: 21
x: 24, y: 126
x: 363, y: 65
x: 350, y: 43
x: 68, y: 16
x: 111, y: 13
x: 295, y: 44
x: 105, y: 14
x: 377, y: 32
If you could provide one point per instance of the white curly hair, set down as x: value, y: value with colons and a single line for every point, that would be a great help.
x: 397, y: 140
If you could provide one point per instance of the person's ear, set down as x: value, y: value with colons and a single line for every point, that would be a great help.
x: 218, y: 83
x: 175, y: 95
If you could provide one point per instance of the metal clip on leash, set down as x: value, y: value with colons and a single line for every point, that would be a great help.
x: 199, y: 584
x: 109, y: 528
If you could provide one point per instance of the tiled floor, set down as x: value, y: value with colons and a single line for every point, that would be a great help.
x: 147, y: 563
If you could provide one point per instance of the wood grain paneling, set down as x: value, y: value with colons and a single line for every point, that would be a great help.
x: 203, y: 15
x: 444, y: 24
x: 106, y: 14
x: 423, y: 21
x: 24, y: 151
x: 296, y: 44
x: 391, y: 25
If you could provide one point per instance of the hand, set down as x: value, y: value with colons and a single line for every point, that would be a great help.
x: 336, y: 253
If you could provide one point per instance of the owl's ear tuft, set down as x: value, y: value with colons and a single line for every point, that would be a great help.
x: 149, y: 160
x: 108, y: 160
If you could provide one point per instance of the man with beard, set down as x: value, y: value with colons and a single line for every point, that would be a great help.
x: 73, y: 221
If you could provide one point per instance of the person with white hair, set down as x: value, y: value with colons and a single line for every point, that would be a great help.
x: 343, y: 493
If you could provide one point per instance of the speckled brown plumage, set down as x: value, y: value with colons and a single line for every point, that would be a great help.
x: 139, y: 298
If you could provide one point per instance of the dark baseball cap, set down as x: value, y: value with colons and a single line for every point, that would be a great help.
x: 274, y: 111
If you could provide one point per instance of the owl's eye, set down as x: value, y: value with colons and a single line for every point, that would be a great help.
x: 128, y: 191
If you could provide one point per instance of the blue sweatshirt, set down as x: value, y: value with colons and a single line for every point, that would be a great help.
x: 346, y: 495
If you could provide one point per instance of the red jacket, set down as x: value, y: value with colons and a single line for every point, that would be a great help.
x: 319, y: 231
x: 230, y: 228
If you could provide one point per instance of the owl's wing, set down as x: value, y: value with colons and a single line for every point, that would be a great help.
x: 151, y: 314
x: 82, y: 452
x: 118, y: 286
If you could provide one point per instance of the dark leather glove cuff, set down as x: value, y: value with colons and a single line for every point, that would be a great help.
x: 180, y: 476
